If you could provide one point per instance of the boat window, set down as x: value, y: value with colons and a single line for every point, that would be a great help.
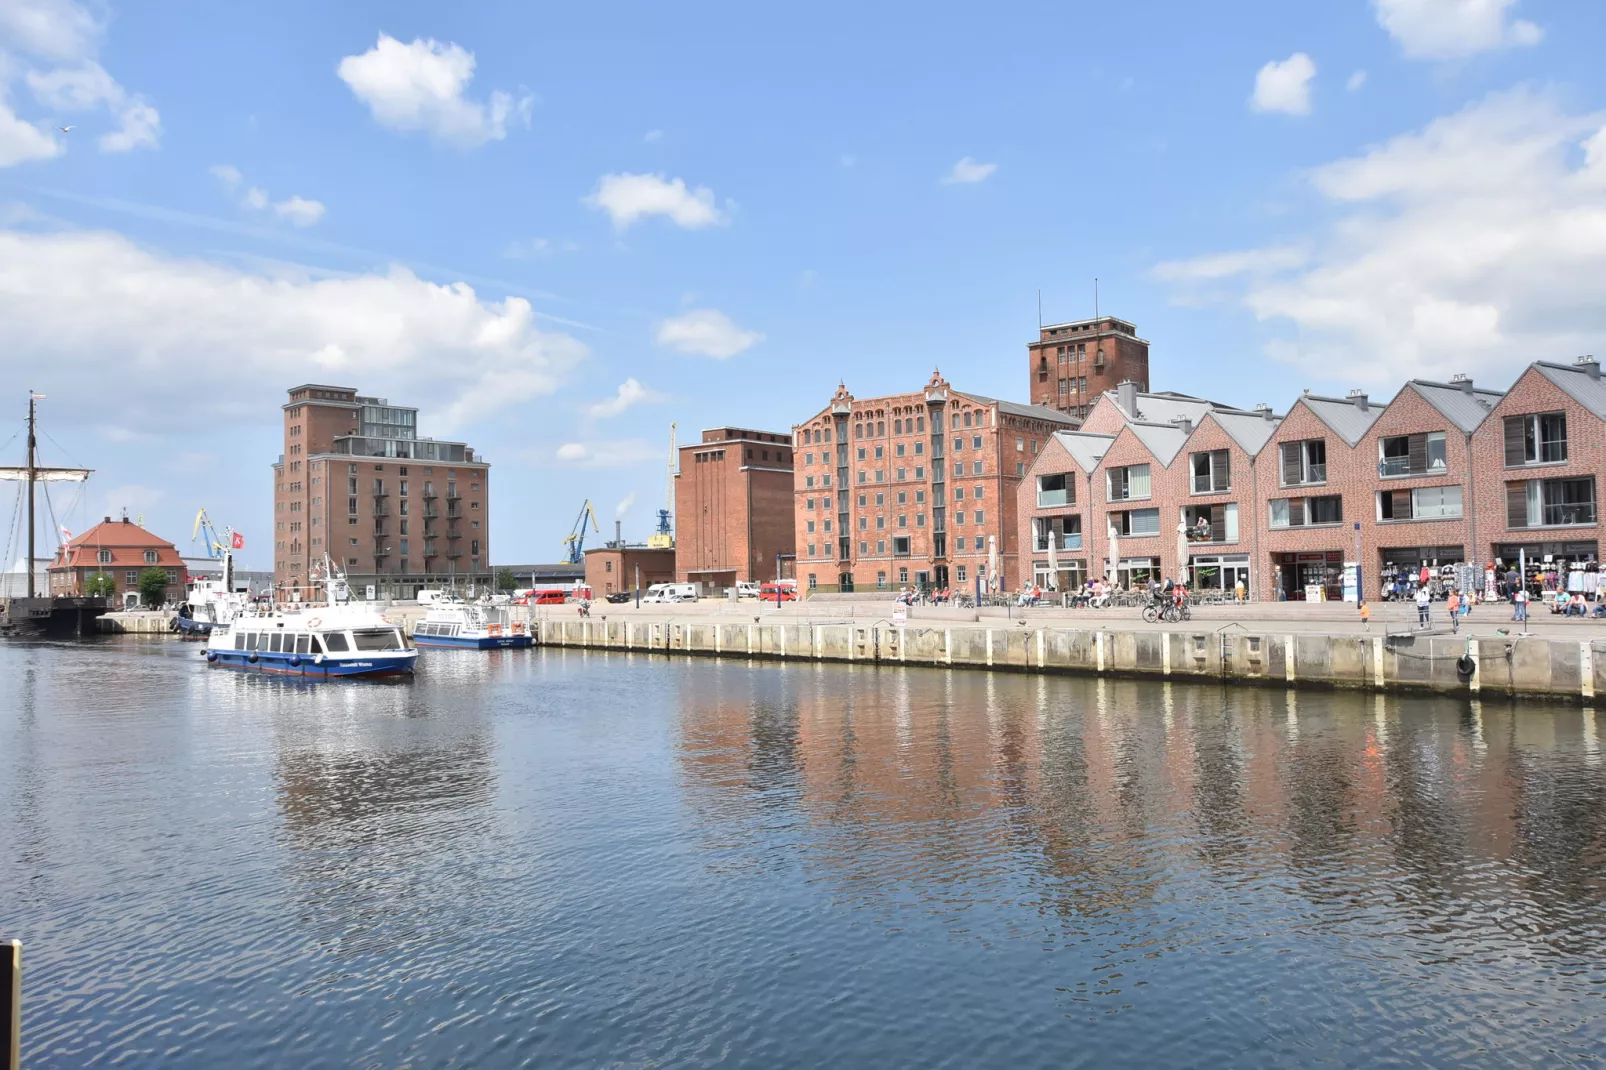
x: 375, y: 640
x: 335, y: 642
x: 276, y: 643
x: 303, y: 644
x: 252, y: 640
x: 239, y: 640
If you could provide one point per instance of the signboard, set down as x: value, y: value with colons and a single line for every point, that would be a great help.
x: 900, y: 615
x: 1352, y: 582
x: 1315, y: 592
x: 370, y: 592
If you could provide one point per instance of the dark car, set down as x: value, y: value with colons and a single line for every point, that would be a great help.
x: 620, y: 596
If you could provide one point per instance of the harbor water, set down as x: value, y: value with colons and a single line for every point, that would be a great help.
x: 568, y: 858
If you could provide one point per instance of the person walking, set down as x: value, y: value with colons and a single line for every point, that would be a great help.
x: 1453, y: 605
x: 1424, y: 606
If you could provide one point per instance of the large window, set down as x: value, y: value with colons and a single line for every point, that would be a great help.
x: 1534, y: 503
x: 1065, y: 530
x: 1211, y: 523
x: 900, y: 545
x: 1538, y: 438
x: 1056, y: 490
x: 1306, y: 512
x: 1424, y: 503
x: 1135, y: 522
x: 1411, y: 455
x: 1212, y: 472
x: 1304, y: 462
x: 1129, y: 482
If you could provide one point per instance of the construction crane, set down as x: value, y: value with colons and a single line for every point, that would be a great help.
x: 576, y: 542
x: 217, y: 543
x: 664, y: 537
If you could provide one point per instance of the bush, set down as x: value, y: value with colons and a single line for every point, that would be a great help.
x: 101, y: 585
x: 153, y: 587
x: 505, y: 580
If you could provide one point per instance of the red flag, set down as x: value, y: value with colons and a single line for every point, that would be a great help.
x: 238, y: 542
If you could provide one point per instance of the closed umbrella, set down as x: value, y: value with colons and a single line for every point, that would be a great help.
x: 1182, y: 553
x: 1053, y: 559
x: 994, y: 580
x: 1115, y: 555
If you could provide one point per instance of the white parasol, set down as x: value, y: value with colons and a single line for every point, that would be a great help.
x: 1182, y: 553
x: 994, y: 580
x: 1053, y: 558
x: 1115, y: 555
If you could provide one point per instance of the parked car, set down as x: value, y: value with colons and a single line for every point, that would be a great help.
x: 785, y: 591
x: 620, y: 597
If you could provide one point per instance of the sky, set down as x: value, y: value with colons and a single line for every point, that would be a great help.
x: 557, y: 228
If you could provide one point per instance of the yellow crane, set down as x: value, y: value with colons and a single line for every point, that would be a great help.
x: 576, y: 542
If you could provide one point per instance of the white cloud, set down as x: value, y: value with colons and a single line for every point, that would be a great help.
x: 652, y: 135
x: 1355, y: 81
x: 624, y: 505
x: 706, y: 332
x: 1284, y: 86
x: 968, y: 170
x: 22, y: 141
x: 629, y: 394
x: 615, y: 453
x: 628, y: 198
x: 1454, y: 29
x: 62, y: 38
x: 1226, y: 265
x: 524, y: 250
x: 133, y: 497
x: 299, y: 210
x: 1470, y: 245
x: 95, y: 307
x: 421, y: 86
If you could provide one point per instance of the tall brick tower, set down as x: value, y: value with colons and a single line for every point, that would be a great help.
x: 1071, y: 364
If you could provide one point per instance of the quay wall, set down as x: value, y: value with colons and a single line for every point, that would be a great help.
x: 137, y: 622
x: 1565, y: 669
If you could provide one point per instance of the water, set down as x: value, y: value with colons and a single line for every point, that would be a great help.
x: 561, y: 859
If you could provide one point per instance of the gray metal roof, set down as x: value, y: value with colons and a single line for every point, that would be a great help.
x: 1346, y: 418
x: 1251, y: 430
x: 1015, y: 408
x: 1085, y: 448
x: 1582, y: 387
x: 1163, y: 408
x: 1163, y: 440
x: 1465, y: 409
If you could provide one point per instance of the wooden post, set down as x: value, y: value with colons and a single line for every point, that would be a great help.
x: 11, y: 1000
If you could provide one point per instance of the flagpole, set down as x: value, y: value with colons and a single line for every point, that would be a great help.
x: 32, y: 446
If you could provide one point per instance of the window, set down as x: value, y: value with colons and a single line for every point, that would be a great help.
x: 959, y: 573
x: 978, y: 493
x: 861, y: 453
x: 959, y: 494
x: 920, y: 472
x: 104, y: 557
x: 1220, y: 522
x: 920, y: 449
x: 811, y: 550
x: 826, y: 526
x: 903, y: 497
x: 900, y: 546
x: 1066, y: 529
x: 1055, y: 491
x: 1411, y: 455
x: 959, y: 444
x: 808, y: 503
x: 1135, y: 522
x: 903, y: 473
x: 881, y: 546
x: 881, y: 523
x: 864, y: 523
x: 920, y: 520
x: 150, y: 557
x: 1129, y: 482
x: 1540, y: 438
x: 131, y: 578
x: 975, y: 468
x: 959, y: 516
x: 1534, y: 503
x: 959, y: 469
x: 959, y: 543
x: 1423, y: 503
x: 1304, y: 512
x: 1212, y: 472
x: 808, y: 527
x: 813, y: 581
x: 975, y: 442
x: 1020, y: 445
x: 1304, y: 462
x: 880, y: 452
x: 172, y: 575
x: 981, y: 517
x: 880, y: 500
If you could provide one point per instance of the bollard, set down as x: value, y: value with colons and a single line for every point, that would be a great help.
x: 11, y: 1003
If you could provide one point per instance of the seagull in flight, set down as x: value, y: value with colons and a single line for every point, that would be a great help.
x: 66, y: 129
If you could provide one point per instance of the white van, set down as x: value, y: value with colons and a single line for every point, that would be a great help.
x: 746, y: 589
x: 656, y: 593
x: 681, y: 592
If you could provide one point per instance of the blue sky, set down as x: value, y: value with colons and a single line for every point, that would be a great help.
x: 556, y: 228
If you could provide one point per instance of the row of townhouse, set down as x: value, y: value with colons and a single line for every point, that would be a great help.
x: 1445, y: 473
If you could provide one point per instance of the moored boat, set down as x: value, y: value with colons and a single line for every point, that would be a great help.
x: 470, y: 626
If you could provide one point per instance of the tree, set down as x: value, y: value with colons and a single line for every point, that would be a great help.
x: 153, y: 587
x: 101, y: 585
x: 505, y: 580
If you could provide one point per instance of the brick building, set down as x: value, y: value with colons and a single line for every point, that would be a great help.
x: 733, y: 507
x: 1281, y: 504
x: 396, y: 511
x: 613, y: 568
x: 913, y: 489
x: 1072, y: 364
x: 121, y: 549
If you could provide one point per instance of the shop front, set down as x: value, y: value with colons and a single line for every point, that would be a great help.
x: 1404, y: 568
x: 1552, y: 566
x: 1220, y: 572
x: 1295, y: 575
x: 1132, y: 573
x: 1072, y: 574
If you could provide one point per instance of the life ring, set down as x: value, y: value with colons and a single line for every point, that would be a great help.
x: 314, y: 622
x: 494, y: 629
x: 1466, y: 665
x: 518, y: 629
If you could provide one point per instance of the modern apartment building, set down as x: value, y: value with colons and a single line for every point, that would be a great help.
x: 733, y: 507
x: 398, y: 512
x: 1072, y: 364
x: 913, y: 489
x: 1444, y: 474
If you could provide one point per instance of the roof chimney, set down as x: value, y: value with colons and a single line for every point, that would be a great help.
x: 108, y: 520
x: 1184, y: 423
x: 1265, y: 411
x: 1358, y: 398
x: 125, y: 520
x: 1126, y: 393
x: 1462, y: 380
x: 1589, y: 365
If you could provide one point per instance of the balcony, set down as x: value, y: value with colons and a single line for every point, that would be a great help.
x: 429, y: 493
x: 381, y: 550
x: 381, y: 492
x: 1053, y: 499
x: 452, y: 495
x: 1571, y: 515
x: 1067, y: 542
x: 1394, y: 467
x: 454, y: 535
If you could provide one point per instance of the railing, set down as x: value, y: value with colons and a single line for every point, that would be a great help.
x: 1568, y: 515
x: 1053, y: 499
x: 1067, y: 542
x: 1213, y: 536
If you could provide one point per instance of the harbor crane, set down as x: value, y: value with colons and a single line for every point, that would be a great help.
x: 576, y: 542
x: 664, y: 537
x: 217, y: 543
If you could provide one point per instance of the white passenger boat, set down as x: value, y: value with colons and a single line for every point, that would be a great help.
x: 469, y: 625
x: 333, y: 637
x: 211, y: 603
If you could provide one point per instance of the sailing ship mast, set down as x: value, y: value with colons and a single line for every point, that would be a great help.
x: 33, y: 473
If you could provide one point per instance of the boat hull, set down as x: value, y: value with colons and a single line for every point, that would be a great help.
x: 400, y: 664
x: 189, y: 627
x: 475, y: 642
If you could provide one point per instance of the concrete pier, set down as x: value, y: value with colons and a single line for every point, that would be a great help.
x: 1553, y: 668
x: 138, y: 622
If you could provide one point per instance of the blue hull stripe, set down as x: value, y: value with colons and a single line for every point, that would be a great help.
x: 390, y: 665
x: 487, y: 642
